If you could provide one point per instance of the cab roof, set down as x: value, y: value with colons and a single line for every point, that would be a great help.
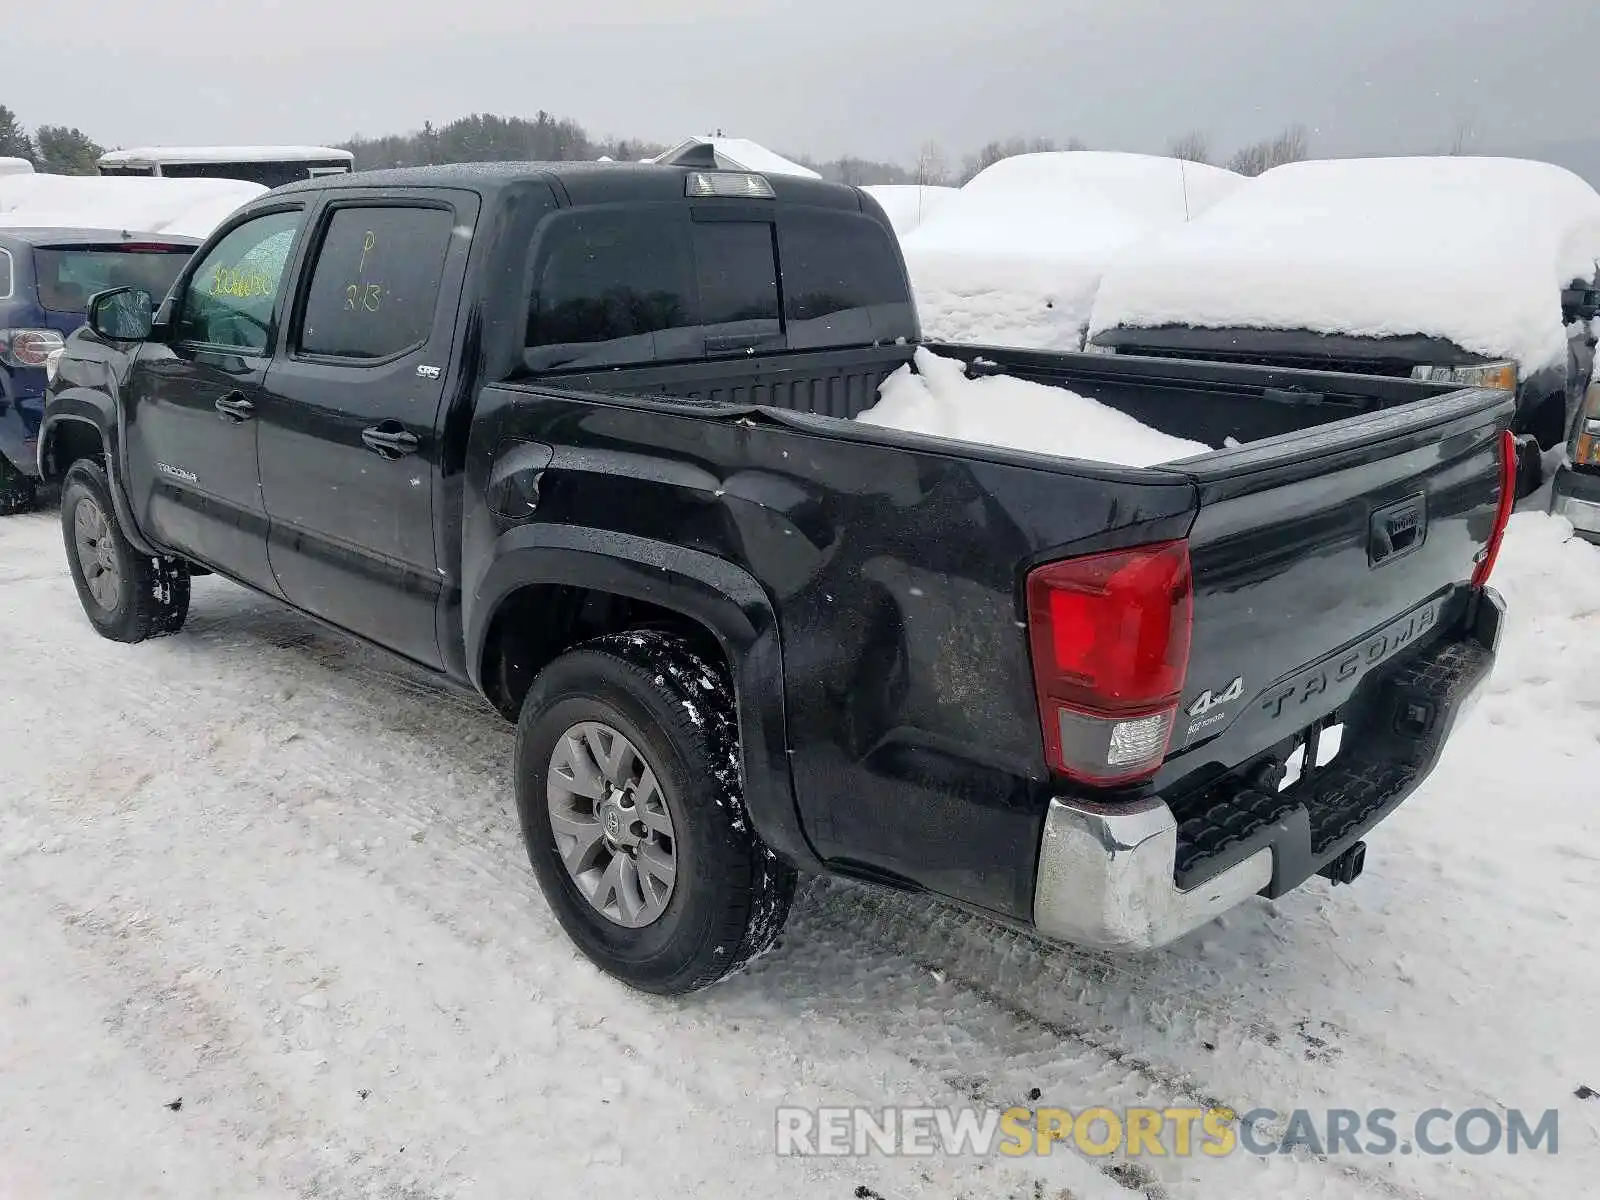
x: 583, y: 182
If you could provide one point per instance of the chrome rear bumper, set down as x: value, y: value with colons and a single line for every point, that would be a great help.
x: 1108, y: 874
x: 1106, y: 878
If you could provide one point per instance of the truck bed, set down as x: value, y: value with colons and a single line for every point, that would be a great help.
x: 895, y: 565
x: 1203, y: 401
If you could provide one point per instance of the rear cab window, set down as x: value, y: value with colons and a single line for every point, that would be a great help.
x: 612, y: 287
x: 67, y: 276
x: 842, y: 281
x: 652, y: 283
x: 7, y: 274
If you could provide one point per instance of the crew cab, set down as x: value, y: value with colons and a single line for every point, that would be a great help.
x: 579, y: 437
x: 46, y: 278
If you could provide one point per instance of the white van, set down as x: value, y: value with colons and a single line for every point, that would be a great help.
x: 270, y: 166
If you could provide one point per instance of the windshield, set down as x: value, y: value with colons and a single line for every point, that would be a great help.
x: 69, y: 275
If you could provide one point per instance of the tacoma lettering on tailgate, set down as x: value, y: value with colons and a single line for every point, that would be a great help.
x: 1352, y: 663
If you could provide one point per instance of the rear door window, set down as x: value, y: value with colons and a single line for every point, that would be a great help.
x: 69, y: 275
x: 842, y: 282
x: 612, y: 287
x: 375, y: 287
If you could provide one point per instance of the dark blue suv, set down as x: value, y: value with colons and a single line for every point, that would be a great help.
x: 46, y: 279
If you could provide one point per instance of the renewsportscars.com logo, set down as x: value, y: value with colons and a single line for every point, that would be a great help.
x: 1161, y: 1132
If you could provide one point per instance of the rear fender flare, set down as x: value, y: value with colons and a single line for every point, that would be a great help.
x: 711, y: 591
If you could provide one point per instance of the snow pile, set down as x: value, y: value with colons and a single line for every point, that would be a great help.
x: 1473, y: 250
x: 1016, y: 256
x: 187, y: 207
x: 908, y: 205
x: 15, y: 166
x: 940, y: 400
x: 221, y: 154
x: 740, y: 154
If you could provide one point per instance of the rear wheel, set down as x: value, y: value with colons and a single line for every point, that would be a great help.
x: 127, y: 596
x: 629, y: 791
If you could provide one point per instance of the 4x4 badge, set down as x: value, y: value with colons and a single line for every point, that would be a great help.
x: 1206, y: 701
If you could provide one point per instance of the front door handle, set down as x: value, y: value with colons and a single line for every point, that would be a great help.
x: 390, y: 440
x: 234, y: 407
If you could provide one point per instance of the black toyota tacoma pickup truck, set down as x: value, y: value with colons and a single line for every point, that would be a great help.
x: 579, y: 436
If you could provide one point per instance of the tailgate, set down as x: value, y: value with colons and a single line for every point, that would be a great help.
x: 1319, y: 557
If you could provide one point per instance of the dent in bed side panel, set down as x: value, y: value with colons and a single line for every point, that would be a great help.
x: 895, y: 576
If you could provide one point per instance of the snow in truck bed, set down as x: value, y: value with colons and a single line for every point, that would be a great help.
x: 996, y: 410
x: 188, y: 207
x: 1016, y: 256
x: 1473, y: 250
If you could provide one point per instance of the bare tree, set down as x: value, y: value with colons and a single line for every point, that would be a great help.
x: 995, y: 151
x: 932, y: 169
x: 1292, y: 145
x: 1461, y: 139
x: 1193, y: 146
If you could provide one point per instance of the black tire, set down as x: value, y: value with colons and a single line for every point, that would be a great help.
x: 19, y: 492
x: 149, y: 597
x: 732, y: 894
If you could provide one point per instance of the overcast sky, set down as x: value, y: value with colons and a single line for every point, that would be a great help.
x: 824, y: 77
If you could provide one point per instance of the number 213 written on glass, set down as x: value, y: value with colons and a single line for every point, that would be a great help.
x: 364, y: 297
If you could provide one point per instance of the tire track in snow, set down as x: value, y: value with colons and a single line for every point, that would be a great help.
x: 262, y: 675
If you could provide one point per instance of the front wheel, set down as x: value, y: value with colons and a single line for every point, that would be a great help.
x: 629, y: 791
x: 127, y: 596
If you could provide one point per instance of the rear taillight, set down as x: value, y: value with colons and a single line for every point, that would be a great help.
x: 1502, y: 515
x: 28, y: 347
x: 1109, y: 634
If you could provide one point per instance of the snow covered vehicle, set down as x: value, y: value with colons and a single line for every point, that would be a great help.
x: 1477, y: 271
x: 1015, y: 257
x: 580, y: 437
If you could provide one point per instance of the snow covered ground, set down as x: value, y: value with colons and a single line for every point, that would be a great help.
x: 273, y: 876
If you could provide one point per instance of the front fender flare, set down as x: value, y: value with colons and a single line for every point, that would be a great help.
x: 722, y: 597
x: 98, y: 411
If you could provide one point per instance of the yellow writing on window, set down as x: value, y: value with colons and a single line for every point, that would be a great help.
x: 242, y: 283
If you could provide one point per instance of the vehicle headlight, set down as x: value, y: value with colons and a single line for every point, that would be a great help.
x: 1586, y: 450
x: 1489, y: 375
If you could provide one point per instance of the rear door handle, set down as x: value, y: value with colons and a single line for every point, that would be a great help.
x: 235, y: 407
x: 389, y: 440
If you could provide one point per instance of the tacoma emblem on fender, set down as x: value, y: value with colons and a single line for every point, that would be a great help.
x: 1206, y: 701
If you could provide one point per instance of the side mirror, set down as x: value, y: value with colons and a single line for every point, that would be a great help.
x: 124, y: 314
